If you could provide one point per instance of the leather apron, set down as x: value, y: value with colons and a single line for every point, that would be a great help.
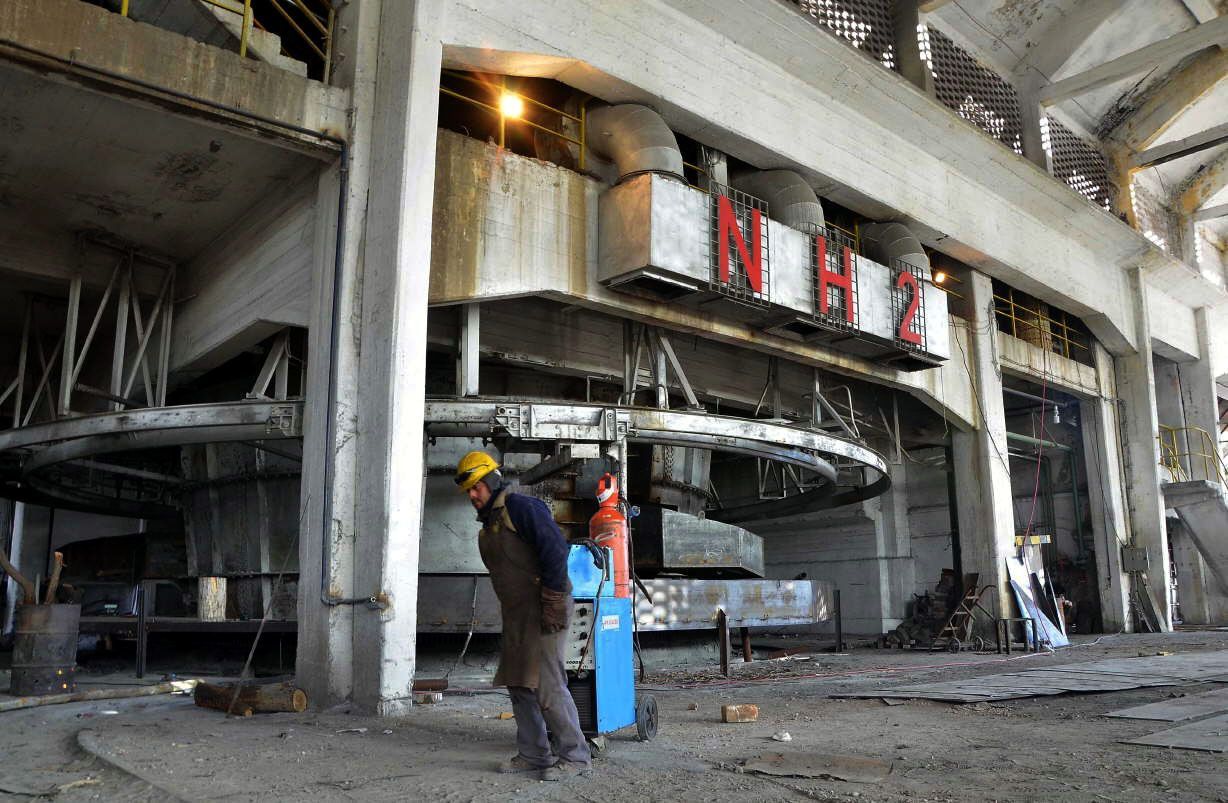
x: 514, y: 573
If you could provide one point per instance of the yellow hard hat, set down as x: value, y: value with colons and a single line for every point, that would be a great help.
x: 472, y: 468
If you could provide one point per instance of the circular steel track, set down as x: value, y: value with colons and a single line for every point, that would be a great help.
x: 43, y: 451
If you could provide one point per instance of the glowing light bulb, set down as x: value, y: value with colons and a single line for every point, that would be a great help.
x: 511, y: 105
x: 939, y: 277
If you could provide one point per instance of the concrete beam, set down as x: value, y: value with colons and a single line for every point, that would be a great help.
x: 1175, y: 46
x: 1182, y: 147
x: 927, y: 6
x: 1211, y: 213
x: 1168, y: 100
x: 1064, y: 36
x: 1204, y: 185
x: 906, y: 19
x: 88, y: 35
x: 1202, y: 10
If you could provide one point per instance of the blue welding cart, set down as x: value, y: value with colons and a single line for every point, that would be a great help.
x: 599, y: 654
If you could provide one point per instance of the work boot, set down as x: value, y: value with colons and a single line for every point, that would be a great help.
x: 571, y: 769
x: 518, y: 763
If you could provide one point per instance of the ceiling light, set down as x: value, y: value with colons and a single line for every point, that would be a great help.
x: 511, y: 105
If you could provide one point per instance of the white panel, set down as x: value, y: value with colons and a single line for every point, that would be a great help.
x: 679, y: 229
x: 874, y: 299
x: 937, y: 323
x: 789, y: 259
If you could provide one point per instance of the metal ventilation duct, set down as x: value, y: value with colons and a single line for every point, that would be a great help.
x: 790, y: 199
x: 635, y: 138
x: 886, y: 242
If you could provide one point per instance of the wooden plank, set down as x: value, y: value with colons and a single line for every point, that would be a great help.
x: 1178, y: 709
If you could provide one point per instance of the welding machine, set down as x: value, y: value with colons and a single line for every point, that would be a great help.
x: 599, y: 655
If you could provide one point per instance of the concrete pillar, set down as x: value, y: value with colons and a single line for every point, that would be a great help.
x: 893, y: 548
x: 1137, y: 398
x: 1199, y: 400
x: 1174, y: 446
x: 982, y: 471
x: 907, y: 18
x: 1192, y: 588
x: 1030, y: 113
x: 1105, y: 483
x: 347, y: 650
x: 10, y: 535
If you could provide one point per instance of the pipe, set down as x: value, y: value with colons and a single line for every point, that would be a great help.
x: 635, y: 138
x: 334, y: 333
x: 1028, y: 439
x: 886, y: 242
x: 790, y: 199
x: 1030, y: 397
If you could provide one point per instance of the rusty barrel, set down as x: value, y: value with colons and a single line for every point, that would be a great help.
x: 45, y: 649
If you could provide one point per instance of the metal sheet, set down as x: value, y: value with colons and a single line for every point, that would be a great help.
x: 446, y: 604
x: 682, y: 604
x: 1178, y: 709
x: 1210, y: 735
x: 1098, y: 676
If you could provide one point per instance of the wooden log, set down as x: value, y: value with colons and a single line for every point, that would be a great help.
x: 252, y: 699
x: 211, y: 599
x: 53, y: 584
x: 27, y: 588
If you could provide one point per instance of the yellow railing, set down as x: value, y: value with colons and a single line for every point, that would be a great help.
x: 313, y: 26
x: 1031, y: 324
x: 1184, y: 450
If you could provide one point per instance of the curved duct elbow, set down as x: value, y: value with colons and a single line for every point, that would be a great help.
x: 635, y: 138
x: 886, y: 242
x: 790, y: 199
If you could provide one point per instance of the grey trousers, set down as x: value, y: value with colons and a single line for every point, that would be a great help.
x: 550, y: 704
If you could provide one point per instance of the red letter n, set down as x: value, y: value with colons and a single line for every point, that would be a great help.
x: 726, y: 227
x: 830, y: 278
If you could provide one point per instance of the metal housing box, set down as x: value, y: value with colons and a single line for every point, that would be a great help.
x: 651, y: 237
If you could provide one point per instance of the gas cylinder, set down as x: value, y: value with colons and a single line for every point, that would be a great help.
x: 608, y: 527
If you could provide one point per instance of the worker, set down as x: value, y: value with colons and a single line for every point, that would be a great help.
x: 526, y: 555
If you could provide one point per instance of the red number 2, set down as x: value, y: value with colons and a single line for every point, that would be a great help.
x: 906, y: 333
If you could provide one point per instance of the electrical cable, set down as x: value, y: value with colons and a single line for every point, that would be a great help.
x: 473, y: 623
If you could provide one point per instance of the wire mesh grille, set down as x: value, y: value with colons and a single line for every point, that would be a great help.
x: 865, y: 24
x: 737, y: 229
x: 1152, y: 217
x: 833, y: 247
x: 1078, y: 163
x: 973, y: 91
x: 908, y: 305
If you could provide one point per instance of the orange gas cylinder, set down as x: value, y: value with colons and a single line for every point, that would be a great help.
x: 608, y: 527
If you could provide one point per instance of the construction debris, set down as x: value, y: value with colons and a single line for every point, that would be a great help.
x: 818, y: 765
x: 739, y: 713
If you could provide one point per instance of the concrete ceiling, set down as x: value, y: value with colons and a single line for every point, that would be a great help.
x: 72, y: 159
x: 1055, y: 39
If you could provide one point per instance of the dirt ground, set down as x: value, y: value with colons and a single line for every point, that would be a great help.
x: 160, y: 748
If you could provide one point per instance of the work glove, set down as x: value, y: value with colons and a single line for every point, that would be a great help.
x: 554, y: 610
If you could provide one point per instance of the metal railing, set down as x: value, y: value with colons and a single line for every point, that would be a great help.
x: 314, y: 27
x: 509, y: 106
x: 1033, y: 325
x: 1184, y: 450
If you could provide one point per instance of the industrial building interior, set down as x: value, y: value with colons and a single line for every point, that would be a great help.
x: 896, y: 326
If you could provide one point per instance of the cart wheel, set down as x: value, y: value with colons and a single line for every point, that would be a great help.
x: 980, y: 644
x: 646, y: 718
x: 954, y: 646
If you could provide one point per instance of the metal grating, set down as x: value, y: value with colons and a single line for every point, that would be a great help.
x: 1078, y: 163
x: 902, y: 302
x: 842, y: 303
x: 865, y: 24
x: 749, y: 213
x: 973, y: 91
